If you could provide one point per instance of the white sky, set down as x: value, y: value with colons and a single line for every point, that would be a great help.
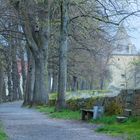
x: 133, y: 27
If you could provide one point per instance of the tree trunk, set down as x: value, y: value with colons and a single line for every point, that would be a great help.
x: 9, y: 83
x: 4, y: 92
x: 62, y: 79
x: 40, y: 89
x: 101, y: 82
x: 83, y: 85
x: 49, y: 82
x: 37, y: 36
x: 15, y: 76
x: 74, y: 83
x: 54, y: 83
x: 23, y: 68
x: 1, y: 84
x: 30, y: 80
x: 91, y: 85
x: 69, y: 83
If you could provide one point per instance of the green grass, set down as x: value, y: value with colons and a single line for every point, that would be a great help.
x: 129, y: 129
x: 53, y: 96
x: 3, y: 135
x: 105, y: 120
x: 64, y: 114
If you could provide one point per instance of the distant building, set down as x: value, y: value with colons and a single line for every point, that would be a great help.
x: 123, y: 72
x: 122, y: 42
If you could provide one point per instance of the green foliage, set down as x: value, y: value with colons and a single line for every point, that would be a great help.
x: 105, y: 120
x: 3, y: 135
x: 52, y: 102
x: 90, y: 103
x: 101, y: 91
x: 114, y: 108
x: 73, y: 105
x: 46, y: 109
x: 130, y: 129
x: 39, y: 1
x: 136, y: 62
x: 53, y: 96
x: 64, y: 114
x: 77, y: 104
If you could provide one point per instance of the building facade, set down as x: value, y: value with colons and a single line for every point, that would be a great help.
x: 124, y: 73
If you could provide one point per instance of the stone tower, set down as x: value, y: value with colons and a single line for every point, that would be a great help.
x: 123, y: 44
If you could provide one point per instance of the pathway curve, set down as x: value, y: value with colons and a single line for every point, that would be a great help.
x: 28, y: 124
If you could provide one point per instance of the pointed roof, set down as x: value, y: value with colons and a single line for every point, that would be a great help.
x: 123, y: 44
x: 122, y: 38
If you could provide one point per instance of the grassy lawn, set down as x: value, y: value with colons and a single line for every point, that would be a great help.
x: 64, y: 114
x: 3, y: 135
x: 129, y: 129
x: 53, y: 96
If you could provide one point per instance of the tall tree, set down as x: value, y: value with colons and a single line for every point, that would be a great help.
x: 62, y: 78
x: 36, y: 29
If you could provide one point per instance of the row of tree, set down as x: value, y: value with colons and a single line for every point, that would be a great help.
x: 56, y: 45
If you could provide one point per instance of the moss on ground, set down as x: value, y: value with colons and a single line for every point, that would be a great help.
x: 130, y: 129
x: 64, y: 114
x: 3, y: 135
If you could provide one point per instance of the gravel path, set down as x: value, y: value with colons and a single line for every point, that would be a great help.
x: 28, y: 124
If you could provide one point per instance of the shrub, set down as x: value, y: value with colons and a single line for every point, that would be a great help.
x: 105, y: 120
x: 114, y: 108
x: 52, y: 102
x: 72, y: 104
x: 90, y: 103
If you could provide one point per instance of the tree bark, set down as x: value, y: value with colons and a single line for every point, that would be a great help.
x: 30, y: 79
x: 74, y: 83
x: 62, y: 79
x: 37, y: 41
x: 1, y: 83
x: 23, y: 68
x: 15, y: 76
x: 9, y: 82
x: 101, y: 81
x: 49, y: 82
x: 4, y: 92
x: 55, y: 83
x: 40, y: 89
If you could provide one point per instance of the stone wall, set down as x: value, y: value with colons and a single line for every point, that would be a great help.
x: 131, y: 100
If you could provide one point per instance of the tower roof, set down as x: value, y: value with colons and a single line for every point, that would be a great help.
x: 122, y: 36
x: 123, y: 44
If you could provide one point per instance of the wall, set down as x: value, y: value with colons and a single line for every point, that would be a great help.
x: 134, y: 100
x: 123, y: 71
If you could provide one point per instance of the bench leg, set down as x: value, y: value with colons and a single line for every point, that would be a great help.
x: 89, y: 115
x: 83, y: 115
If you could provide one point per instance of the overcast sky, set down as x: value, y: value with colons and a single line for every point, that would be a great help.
x: 133, y: 27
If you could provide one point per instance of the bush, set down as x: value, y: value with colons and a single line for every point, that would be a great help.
x: 90, y: 103
x: 52, y: 102
x: 114, y: 108
x: 3, y: 135
x: 72, y: 105
x: 77, y: 104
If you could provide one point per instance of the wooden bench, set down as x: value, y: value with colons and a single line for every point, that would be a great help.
x: 87, y: 114
x: 121, y: 119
